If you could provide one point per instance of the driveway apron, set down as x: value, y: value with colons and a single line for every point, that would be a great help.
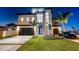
x: 13, y: 43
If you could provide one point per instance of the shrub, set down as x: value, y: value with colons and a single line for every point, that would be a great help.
x: 53, y: 37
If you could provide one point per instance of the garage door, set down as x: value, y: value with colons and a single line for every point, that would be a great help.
x: 26, y: 31
x: 56, y: 31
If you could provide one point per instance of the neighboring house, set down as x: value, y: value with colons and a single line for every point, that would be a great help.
x: 2, y: 31
x: 8, y: 31
x: 42, y: 16
x: 11, y: 29
x: 11, y: 26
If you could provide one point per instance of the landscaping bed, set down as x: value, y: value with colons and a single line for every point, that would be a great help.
x: 41, y: 44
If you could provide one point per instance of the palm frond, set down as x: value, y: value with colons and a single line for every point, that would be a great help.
x: 63, y: 18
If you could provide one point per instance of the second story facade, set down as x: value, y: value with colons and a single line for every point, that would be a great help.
x: 26, y: 18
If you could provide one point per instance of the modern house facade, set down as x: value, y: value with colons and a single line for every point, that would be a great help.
x: 43, y: 18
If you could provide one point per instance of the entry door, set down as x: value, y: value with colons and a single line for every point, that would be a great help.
x: 40, y: 31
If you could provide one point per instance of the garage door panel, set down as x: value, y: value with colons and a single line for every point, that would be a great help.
x: 26, y: 31
x: 56, y: 31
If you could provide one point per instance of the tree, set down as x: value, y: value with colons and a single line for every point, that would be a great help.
x: 34, y: 23
x: 63, y: 19
x: 74, y: 29
x: 34, y: 26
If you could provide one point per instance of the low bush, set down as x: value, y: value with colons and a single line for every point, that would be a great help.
x: 53, y: 37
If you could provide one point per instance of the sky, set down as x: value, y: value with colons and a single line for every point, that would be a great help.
x: 8, y: 15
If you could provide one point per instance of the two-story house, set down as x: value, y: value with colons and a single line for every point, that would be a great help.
x: 42, y: 16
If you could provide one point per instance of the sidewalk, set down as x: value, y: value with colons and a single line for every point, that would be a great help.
x: 75, y: 40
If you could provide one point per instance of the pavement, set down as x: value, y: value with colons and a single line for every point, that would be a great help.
x: 75, y: 40
x: 13, y: 43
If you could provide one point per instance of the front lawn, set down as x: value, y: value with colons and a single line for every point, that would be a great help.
x: 40, y: 44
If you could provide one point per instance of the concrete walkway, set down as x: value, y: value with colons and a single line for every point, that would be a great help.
x: 75, y: 40
x: 13, y: 43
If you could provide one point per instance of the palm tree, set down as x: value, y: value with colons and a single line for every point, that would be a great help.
x: 74, y: 29
x: 63, y: 19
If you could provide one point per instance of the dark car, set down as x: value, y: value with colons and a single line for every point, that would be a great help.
x: 69, y: 35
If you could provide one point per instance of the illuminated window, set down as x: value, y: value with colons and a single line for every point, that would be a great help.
x: 27, y: 19
x: 22, y: 18
x: 47, y: 14
x: 47, y: 17
x: 33, y: 18
x: 40, y: 18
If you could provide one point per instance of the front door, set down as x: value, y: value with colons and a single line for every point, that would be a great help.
x: 40, y: 31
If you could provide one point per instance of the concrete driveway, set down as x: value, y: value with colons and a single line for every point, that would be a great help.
x: 13, y: 43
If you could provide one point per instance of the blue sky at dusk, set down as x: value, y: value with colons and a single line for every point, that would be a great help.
x: 8, y: 15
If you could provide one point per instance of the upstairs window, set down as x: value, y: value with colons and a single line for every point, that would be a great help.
x: 33, y: 18
x: 22, y: 18
x: 40, y: 18
x: 47, y: 17
x: 27, y: 19
x: 47, y: 14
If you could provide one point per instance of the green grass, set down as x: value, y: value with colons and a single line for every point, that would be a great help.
x: 40, y: 44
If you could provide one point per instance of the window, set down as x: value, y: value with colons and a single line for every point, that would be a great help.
x: 47, y: 14
x: 27, y: 19
x: 22, y: 18
x: 33, y: 18
x: 47, y: 17
x: 40, y: 18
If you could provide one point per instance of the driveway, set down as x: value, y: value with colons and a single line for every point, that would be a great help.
x: 13, y: 43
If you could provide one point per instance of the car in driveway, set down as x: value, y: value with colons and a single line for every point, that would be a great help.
x: 69, y: 35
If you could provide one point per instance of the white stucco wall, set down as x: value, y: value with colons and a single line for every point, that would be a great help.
x: 4, y: 33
